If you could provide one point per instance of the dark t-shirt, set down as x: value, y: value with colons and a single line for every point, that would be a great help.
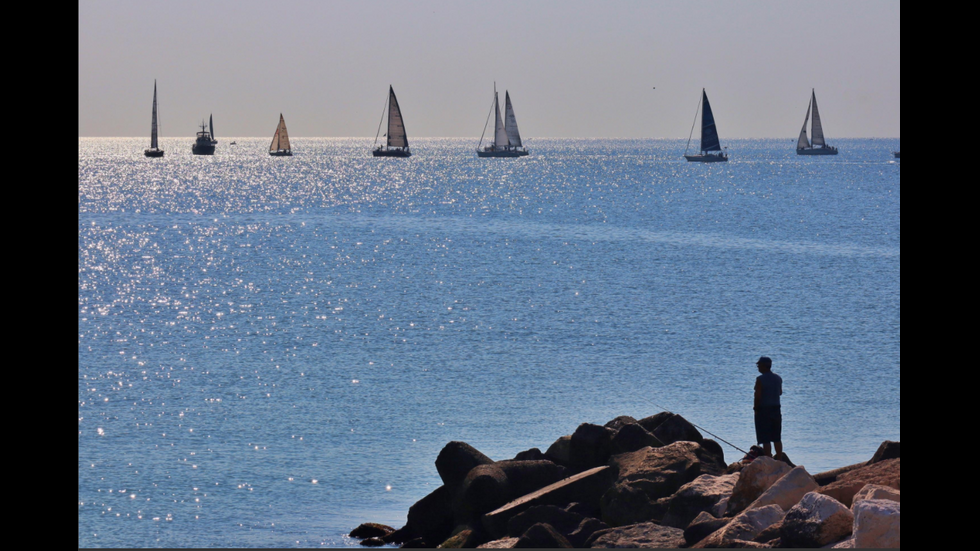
x: 772, y: 387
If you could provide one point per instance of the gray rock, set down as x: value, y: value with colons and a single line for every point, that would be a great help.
x: 431, y: 518
x: 700, y: 495
x: 815, y: 521
x: 887, y: 450
x: 591, y: 446
x: 702, y: 526
x: 647, y: 534
x: 586, y: 487
x: 484, y: 489
x: 542, y: 535
x: 633, y: 437
x: 455, y: 461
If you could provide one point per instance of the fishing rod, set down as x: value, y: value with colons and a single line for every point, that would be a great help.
x: 704, y: 429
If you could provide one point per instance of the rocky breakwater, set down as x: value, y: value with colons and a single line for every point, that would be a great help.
x: 653, y: 482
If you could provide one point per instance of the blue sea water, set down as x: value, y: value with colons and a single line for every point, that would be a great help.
x: 274, y: 350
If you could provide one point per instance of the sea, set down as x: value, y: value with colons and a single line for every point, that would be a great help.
x: 274, y: 350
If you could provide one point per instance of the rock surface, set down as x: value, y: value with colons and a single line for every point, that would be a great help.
x: 815, y: 521
x: 884, y: 473
x: 648, y: 534
x: 877, y: 523
x: 754, y: 479
x: 700, y: 495
x: 788, y: 490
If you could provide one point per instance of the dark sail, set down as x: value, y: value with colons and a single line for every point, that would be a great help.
x: 709, y: 134
x: 396, y: 125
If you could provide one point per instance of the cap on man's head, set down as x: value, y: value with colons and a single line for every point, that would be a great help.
x: 764, y: 361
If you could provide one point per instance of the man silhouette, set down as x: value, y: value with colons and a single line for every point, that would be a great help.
x: 768, y: 420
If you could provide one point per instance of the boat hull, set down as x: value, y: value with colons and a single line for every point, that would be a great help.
x: 897, y: 154
x: 706, y: 158
x: 202, y: 149
x: 817, y: 151
x: 391, y: 153
x: 504, y: 153
x: 282, y: 153
x: 153, y: 152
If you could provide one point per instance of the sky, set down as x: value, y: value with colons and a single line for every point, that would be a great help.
x: 574, y: 68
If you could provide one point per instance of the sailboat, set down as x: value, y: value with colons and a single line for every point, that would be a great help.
x: 817, y: 146
x: 506, y: 136
x: 397, y: 140
x: 709, y: 136
x: 154, y: 151
x: 280, y: 141
x: 204, y: 145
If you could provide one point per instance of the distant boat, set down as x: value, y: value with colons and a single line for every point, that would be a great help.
x: 709, y: 136
x: 280, y: 141
x: 204, y: 145
x: 817, y: 146
x: 506, y: 136
x: 897, y: 154
x: 236, y: 143
x: 397, y: 140
x: 154, y: 151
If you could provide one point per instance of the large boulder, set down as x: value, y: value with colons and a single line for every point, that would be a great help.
x: 700, y: 495
x: 431, y: 518
x: 703, y: 526
x: 671, y: 428
x: 560, y: 519
x: 877, y: 523
x: 455, y: 461
x: 542, y: 535
x: 591, y: 446
x: 527, y: 476
x: 827, y: 477
x: 744, y: 527
x: 584, y: 531
x: 371, y: 530
x: 876, y: 491
x: 633, y: 437
x: 620, y: 422
x: 754, y: 479
x: 887, y: 450
x: 484, y: 489
x: 788, y: 490
x: 629, y: 503
x: 887, y: 472
x: 815, y: 521
x: 560, y: 451
x: 586, y: 487
x: 503, y: 543
x: 645, y: 479
x: 647, y: 534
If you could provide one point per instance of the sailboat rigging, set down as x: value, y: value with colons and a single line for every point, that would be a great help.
x: 709, y: 136
x: 280, y: 141
x: 154, y: 151
x: 818, y: 146
x: 396, y: 144
x: 506, y: 136
x: 205, y: 142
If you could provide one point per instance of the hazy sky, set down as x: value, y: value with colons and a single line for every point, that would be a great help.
x: 574, y: 68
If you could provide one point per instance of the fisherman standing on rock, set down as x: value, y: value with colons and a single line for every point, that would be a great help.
x: 768, y: 420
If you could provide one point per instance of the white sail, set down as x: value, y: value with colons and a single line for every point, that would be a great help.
x: 396, y: 126
x: 802, y: 143
x: 153, y: 126
x: 513, y: 134
x: 499, y: 133
x: 280, y: 140
x: 817, y: 127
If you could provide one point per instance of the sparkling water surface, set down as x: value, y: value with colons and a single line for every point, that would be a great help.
x: 274, y: 350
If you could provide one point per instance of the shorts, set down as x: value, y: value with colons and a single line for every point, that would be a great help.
x: 768, y: 424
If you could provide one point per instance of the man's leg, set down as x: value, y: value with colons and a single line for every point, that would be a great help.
x: 767, y: 449
x: 779, y: 448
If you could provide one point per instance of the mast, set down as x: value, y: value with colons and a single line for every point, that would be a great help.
x: 153, y: 125
x: 396, y: 125
x: 513, y: 134
x: 802, y: 142
x: 817, y: 126
x: 709, y: 133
